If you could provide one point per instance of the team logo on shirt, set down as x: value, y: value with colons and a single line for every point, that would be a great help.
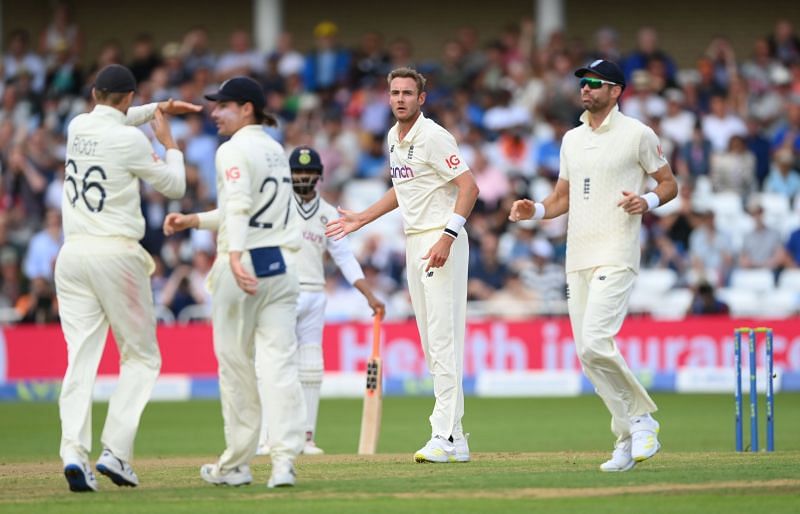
x: 232, y: 174
x: 452, y: 162
x: 324, y: 220
x: 410, y: 152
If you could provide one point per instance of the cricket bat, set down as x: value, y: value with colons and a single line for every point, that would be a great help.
x: 373, y: 396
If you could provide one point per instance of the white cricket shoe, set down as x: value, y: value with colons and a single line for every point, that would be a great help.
x: 79, y: 476
x: 237, y: 476
x: 283, y: 474
x: 311, y: 448
x: 119, y: 471
x: 438, y: 450
x: 462, y: 448
x: 621, y: 459
x: 644, y: 436
x: 263, y: 449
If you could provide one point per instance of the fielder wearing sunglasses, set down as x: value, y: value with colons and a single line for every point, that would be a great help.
x: 594, y: 83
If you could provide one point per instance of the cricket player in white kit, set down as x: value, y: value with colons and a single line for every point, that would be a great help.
x: 315, y: 213
x: 435, y: 191
x: 102, y: 273
x: 604, y: 165
x: 254, y: 287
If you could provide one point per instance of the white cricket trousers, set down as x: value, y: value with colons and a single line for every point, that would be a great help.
x: 102, y: 282
x: 439, y: 299
x: 242, y: 323
x: 598, y: 302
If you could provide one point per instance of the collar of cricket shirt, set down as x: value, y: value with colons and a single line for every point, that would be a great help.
x: 107, y: 110
x: 252, y: 128
x: 606, y: 125
x: 416, y: 127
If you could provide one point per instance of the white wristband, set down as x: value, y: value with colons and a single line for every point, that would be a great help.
x: 538, y: 211
x: 454, y: 225
x: 652, y: 200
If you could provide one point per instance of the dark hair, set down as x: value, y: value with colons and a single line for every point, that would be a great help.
x: 262, y: 117
x: 109, y: 97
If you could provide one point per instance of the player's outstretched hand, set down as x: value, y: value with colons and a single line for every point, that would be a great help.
x: 174, y: 107
x: 340, y: 227
x: 439, y: 252
x: 246, y: 282
x: 632, y: 203
x: 521, y: 210
x: 162, y: 131
x: 177, y: 222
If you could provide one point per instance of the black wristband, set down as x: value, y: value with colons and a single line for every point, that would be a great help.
x: 451, y: 233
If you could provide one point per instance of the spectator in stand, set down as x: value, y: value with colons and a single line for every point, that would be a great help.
x: 710, y: 250
x: 793, y: 250
x: 486, y: 273
x: 544, y: 276
x: 144, y: 58
x: 707, y: 86
x: 760, y: 148
x: 39, y: 305
x: 61, y: 36
x: 328, y: 65
x: 195, y: 52
x: 756, y: 70
x: 719, y: 125
x: 370, y: 60
x: 723, y: 59
x: 763, y: 247
x: 647, y: 48
x: 678, y: 122
x: 783, y: 178
x: 735, y: 169
x: 643, y: 103
x: 290, y: 61
x: 694, y: 157
x: 44, y: 247
x: 788, y: 133
x: 784, y: 44
x: 514, y: 301
x: 705, y: 301
x: 606, y: 45
x: 492, y: 183
x: 240, y: 59
x: 373, y: 162
x: 21, y: 59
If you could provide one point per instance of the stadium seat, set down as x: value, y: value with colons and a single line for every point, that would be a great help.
x: 741, y: 302
x: 727, y: 205
x: 777, y: 211
x: 779, y: 304
x: 789, y: 280
x: 673, y: 304
x: 656, y: 280
x: 758, y: 280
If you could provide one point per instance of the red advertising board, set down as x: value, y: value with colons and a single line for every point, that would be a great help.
x: 39, y: 352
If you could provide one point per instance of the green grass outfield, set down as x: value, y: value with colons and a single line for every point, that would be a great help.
x: 529, y: 455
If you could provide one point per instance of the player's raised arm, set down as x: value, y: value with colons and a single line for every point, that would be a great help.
x: 350, y: 221
x: 168, y: 176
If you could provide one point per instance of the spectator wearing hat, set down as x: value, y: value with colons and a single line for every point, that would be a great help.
x: 240, y: 59
x: 763, y: 246
x: 328, y: 65
x: 605, y: 162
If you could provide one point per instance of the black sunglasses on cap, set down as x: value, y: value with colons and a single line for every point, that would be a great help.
x: 594, y: 83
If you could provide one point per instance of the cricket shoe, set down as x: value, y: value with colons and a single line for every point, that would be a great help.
x: 311, y: 448
x: 119, y: 471
x: 644, y: 436
x: 621, y: 459
x: 237, y: 476
x: 263, y: 449
x: 283, y: 474
x: 80, y: 477
x: 462, y: 448
x: 438, y: 450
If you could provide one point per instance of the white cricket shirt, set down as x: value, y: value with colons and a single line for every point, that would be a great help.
x: 600, y: 164
x: 422, y: 166
x: 256, y: 206
x: 106, y: 157
x: 314, y: 216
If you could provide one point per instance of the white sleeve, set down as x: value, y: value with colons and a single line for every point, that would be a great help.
x: 168, y: 176
x: 444, y: 155
x: 236, y: 182
x: 208, y: 220
x: 651, y: 157
x: 140, y: 115
x: 343, y: 257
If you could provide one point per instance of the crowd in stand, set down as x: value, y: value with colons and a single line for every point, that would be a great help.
x: 730, y: 125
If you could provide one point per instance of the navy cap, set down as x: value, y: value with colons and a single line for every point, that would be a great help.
x: 604, y: 69
x: 115, y: 78
x: 304, y: 158
x: 240, y: 89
